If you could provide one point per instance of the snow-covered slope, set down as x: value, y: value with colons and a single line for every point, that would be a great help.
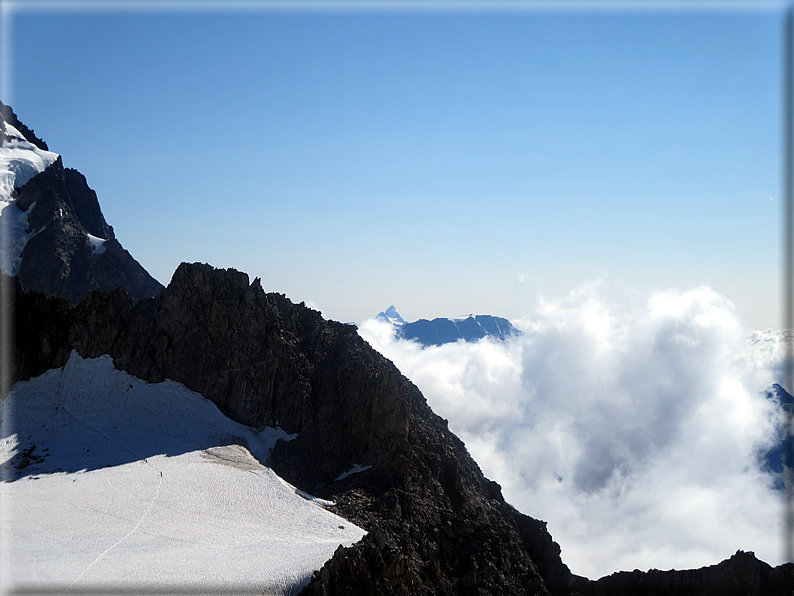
x: 111, y: 481
x: 20, y: 160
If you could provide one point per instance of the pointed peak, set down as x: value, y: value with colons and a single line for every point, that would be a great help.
x: 390, y: 315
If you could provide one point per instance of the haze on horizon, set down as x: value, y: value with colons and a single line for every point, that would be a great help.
x: 445, y: 162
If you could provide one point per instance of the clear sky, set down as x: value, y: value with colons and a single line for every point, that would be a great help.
x: 446, y: 161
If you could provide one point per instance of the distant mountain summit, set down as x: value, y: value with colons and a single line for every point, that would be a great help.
x: 55, y: 238
x: 441, y: 331
x: 390, y: 315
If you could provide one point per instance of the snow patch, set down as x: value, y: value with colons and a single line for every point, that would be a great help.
x: 97, y: 243
x: 354, y: 470
x: 20, y: 161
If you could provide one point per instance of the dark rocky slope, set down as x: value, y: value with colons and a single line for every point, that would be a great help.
x: 59, y: 259
x: 436, y: 524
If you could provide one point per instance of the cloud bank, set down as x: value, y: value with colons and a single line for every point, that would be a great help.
x: 631, y: 424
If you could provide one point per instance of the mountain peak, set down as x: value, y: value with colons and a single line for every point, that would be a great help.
x: 390, y: 315
x: 56, y: 240
x: 20, y: 160
x: 8, y: 117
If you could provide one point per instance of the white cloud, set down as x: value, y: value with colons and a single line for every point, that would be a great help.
x: 631, y: 424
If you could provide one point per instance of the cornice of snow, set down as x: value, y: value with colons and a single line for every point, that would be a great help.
x: 20, y: 160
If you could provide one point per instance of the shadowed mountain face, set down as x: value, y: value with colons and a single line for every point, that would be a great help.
x: 443, y: 331
x: 71, y: 249
x: 773, y: 459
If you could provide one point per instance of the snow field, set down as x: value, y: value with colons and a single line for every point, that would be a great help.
x: 132, y: 484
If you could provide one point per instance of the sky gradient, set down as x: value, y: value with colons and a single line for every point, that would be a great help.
x: 445, y: 162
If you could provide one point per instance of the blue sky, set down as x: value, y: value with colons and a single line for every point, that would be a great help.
x: 446, y: 162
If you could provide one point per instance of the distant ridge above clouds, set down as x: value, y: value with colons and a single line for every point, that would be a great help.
x: 442, y: 331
